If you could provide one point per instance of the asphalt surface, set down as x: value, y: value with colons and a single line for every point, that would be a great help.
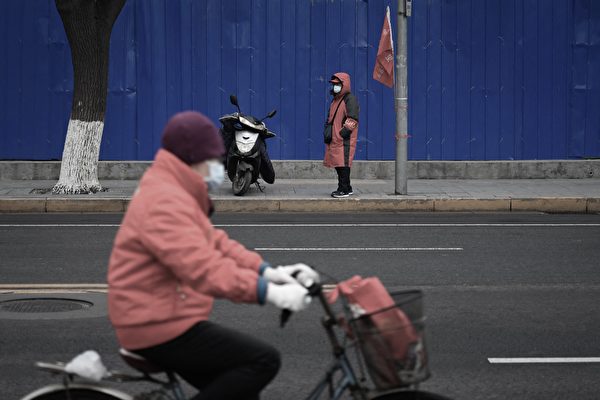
x: 496, y: 286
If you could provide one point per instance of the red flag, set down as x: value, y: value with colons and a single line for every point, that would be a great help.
x: 384, y: 63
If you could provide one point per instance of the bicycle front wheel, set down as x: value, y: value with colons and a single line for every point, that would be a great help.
x: 74, y: 394
x: 411, y: 395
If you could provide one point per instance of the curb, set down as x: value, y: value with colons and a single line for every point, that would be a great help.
x: 62, y: 205
x: 578, y: 205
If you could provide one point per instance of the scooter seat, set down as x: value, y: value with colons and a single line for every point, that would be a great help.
x: 139, y: 363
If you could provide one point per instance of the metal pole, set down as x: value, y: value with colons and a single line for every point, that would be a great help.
x: 401, y: 99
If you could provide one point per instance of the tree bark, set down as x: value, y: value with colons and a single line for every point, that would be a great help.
x: 88, y: 25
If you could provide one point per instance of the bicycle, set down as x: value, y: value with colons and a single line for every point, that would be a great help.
x: 74, y: 387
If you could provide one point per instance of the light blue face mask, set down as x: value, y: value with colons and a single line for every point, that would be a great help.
x: 337, y: 88
x: 216, y: 175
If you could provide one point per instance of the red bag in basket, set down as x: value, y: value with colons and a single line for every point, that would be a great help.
x: 368, y: 295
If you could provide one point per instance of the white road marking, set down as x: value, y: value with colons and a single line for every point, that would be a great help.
x: 358, y: 225
x: 399, y: 225
x: 59, y: 225
x: 18, y: 288
x: 544, y: 360
x: 30, y: 288
x: 358, y: 248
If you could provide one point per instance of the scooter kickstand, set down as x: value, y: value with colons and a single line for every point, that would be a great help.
x: 261, y: 188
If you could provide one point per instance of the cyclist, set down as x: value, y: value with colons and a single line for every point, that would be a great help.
x: 169, y: 263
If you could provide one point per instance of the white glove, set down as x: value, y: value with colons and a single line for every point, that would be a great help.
x: 306, y: 276
x: 290, y: 296
x: 277, y: 275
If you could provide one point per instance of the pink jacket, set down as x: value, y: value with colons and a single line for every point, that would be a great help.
x: 168, y: 262
x: 340, y: 152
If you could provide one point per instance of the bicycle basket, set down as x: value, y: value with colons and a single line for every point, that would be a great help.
x: 392, y: 341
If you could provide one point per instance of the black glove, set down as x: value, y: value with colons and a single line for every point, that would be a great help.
x: 345, y: 133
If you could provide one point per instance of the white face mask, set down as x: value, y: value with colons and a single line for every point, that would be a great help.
x: 216, y: 175
x: 337, y: 88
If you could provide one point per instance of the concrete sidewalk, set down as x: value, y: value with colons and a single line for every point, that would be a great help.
x: 313, y: 195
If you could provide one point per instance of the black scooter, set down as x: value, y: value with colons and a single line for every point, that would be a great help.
x: 247, y: 156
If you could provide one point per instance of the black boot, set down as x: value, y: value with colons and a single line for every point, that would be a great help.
x: 344, y: 188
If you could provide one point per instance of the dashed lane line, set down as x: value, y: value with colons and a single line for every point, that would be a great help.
x: 544, y: 360
x: 358, y: 248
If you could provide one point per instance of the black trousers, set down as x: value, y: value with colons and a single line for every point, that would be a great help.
x: 343, y: 179
x: 222, y: 363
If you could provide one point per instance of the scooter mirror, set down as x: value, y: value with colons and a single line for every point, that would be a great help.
x: 271, y: 114
x: 233, y: 100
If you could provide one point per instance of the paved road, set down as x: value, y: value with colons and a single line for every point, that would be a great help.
x: 497, y: 286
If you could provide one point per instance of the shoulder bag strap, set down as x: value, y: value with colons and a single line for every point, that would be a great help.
x: 338, y: 107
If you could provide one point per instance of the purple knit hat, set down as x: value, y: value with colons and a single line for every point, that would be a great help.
x: 192, y: 137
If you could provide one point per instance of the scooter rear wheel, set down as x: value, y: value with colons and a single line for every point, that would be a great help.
x: 241, y: 182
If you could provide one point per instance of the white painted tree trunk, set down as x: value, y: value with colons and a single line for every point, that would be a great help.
x: 79, y: 167
x: 88, y: 25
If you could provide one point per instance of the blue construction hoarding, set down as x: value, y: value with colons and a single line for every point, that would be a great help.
x: 488, y: 79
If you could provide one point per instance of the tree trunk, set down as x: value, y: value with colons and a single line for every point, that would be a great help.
x: 88, y: 25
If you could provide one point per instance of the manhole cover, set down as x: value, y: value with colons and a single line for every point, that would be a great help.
x: 43, y: 305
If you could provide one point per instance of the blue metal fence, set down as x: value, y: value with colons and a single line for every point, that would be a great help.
x: 488, y: 79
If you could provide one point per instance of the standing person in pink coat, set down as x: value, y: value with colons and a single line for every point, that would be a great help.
x: 343, y: 115
x: 169, y: 263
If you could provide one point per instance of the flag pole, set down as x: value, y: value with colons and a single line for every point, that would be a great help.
x: 401, y: 99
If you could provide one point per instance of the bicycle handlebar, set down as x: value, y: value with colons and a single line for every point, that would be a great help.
x: 314, y: 290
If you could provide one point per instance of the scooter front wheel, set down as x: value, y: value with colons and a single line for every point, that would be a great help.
x: 241, y: 182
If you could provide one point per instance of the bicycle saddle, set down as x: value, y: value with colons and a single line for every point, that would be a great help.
x: 139, y: 363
